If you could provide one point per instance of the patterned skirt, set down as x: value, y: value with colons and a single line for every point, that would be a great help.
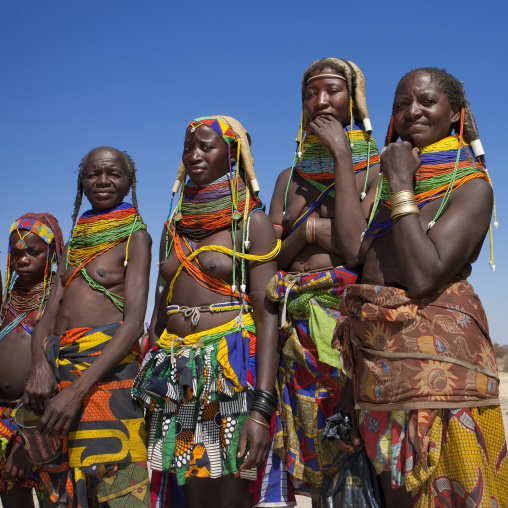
x: 467, y: 462
x: 199, y: 394
x: 104, y: 453
x: 309, y: 380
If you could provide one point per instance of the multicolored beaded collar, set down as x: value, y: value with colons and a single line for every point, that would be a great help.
x: 20, y: 298
x: 315, y: 165
x: 96, y: 233
x: 446, y: 165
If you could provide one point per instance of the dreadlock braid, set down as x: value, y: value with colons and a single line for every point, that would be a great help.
x: 470, y: 130
x: 130, y: 168
x: 454, y: 90
x: 79, y: 193
x: 131, y: 173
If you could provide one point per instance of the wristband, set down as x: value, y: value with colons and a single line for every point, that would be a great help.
x: 309, y: 230
x: 266, y: 426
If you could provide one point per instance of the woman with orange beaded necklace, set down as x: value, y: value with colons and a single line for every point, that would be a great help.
x: 210, y: 380
x: 413, y: 335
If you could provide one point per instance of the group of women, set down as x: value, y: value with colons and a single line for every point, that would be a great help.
x: 351, y: 295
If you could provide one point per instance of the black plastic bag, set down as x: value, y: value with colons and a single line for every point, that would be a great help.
x: 351, y: 482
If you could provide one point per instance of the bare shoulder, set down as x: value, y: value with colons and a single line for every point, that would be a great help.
x: 142, y: 238
x: 283, y: 178
x: 465, y: 220
x: 277, y: 202
x: 261, y: 232
x: 476, y: 193
x: 260, y: 221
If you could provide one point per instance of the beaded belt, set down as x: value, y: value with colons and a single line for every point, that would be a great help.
x: 195, y: 312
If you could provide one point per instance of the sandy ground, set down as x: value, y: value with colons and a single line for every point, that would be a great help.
x: 304, y: 502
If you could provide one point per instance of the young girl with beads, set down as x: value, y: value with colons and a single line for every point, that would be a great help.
x: 85, y: 351
x: 35, y: 246
x: 311, y: 279
x: 209, y: 382
x: 413, y: 335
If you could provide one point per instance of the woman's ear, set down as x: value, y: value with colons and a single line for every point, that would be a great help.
x: 233, y: 153
x: 456, y: 109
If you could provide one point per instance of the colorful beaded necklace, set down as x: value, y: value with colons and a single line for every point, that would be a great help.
x: 96, y: 233
x: 205, y: 210
x: 315, y: 165
x: 446, y: 165
x: 21, y: 298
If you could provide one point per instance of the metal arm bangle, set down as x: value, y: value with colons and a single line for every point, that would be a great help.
x: 266, y: 426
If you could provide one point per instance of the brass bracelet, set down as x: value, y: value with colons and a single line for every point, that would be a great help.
x: 404, y: 209
x: 265, y: 425
x: 402, y: 197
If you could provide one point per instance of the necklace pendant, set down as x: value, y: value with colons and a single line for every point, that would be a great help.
x: 236, y: 215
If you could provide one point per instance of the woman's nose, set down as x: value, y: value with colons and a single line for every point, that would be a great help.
x: 103, y: 179
x: 413, y: 110
x: 322, y: 99
x: 194, y: 155
x: 23, y: 259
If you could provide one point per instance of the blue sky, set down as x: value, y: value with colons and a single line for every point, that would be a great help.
x: 76, y: 75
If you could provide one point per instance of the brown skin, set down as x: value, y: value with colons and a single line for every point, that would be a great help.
x: 205, y: 159
x: 407, y: 256
x: 30, y: 265
x: 105, y: 184
x: 326, y: 102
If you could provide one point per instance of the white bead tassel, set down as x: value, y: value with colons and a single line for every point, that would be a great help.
x: 477, y: 148
x: 367, y: 125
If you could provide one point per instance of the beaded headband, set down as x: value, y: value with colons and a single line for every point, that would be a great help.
x: 325, y: 76
x: 35, y: 227
x: 220, y: 127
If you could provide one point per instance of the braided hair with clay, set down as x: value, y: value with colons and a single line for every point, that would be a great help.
x: 130, y: 167
x: 454, y: 90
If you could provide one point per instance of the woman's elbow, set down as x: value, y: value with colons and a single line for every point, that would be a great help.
x: 422, y: 288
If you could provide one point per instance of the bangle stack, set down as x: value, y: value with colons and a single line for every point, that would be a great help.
x: 309, y: 230
x: 403, y: 203
x: 264, y: 401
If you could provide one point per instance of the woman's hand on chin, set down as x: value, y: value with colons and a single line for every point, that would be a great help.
x: 399, y: 164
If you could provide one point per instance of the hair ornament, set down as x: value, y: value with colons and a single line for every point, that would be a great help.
x: 367, y: 125
x: 325, y: 75
x: 32, y: 226
x: 477, y: 147
x: 46, y: 227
